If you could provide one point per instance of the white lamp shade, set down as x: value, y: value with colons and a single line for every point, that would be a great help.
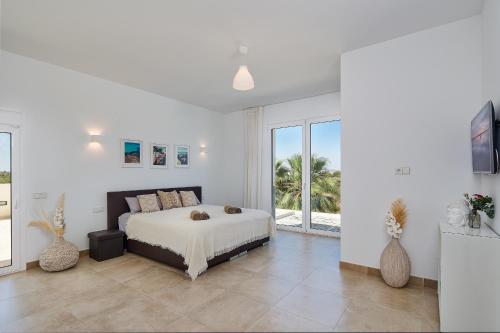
x: 243, y: 80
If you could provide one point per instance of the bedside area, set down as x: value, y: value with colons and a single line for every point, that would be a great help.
x: 106, y: 244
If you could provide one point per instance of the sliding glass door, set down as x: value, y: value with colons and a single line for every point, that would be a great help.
x: 306, y: 176
x: 288, y: 181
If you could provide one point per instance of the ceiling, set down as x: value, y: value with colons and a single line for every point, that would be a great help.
x: 187, y: 49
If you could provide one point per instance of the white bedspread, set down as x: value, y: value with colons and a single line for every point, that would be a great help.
x: 200, y: 241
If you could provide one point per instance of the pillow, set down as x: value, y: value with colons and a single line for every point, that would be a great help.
x: 189, y: 198
x: 148, y: 203
x: 169, y: 199
x: 133, y: 204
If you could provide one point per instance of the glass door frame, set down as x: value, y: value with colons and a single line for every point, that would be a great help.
x: 306, y: 173
x: 273, y: 127
x: 308, y: 228
x: 17, y: 261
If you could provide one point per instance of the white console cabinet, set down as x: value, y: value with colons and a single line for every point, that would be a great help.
x: 469, y: 279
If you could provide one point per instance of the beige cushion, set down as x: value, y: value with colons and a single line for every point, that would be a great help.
x: 148, y: 203
x: 189, y: 198
x: 169, y: 199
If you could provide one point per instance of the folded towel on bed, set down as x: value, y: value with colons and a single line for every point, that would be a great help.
x: 197, y: 216
x: 232, y: 210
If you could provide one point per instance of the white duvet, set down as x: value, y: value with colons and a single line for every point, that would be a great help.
x: 200, y: 241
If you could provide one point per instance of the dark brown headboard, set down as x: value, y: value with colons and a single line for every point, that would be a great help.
x: 118, y: 206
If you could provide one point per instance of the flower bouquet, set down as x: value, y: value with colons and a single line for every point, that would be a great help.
x: 477, y: 203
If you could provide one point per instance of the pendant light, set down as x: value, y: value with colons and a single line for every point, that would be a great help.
x: 243, y: 80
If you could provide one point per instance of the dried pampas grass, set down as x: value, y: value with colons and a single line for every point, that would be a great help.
x: 399, y: 211
x: 44, y: 225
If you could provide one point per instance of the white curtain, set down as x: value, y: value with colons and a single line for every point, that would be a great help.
x: 253, y: 157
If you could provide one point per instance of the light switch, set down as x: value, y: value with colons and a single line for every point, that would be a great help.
x: 406, y: 171
x: 98, y: 210
x: 40, y: 195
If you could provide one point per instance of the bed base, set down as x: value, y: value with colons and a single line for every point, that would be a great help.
x: 170, y: 258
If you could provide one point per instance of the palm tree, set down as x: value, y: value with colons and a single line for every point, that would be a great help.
x: 325, y: 185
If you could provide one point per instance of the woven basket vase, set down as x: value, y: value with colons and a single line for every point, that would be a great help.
x: 395, y: 264
x: 60, y: 255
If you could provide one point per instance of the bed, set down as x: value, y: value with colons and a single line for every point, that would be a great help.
x: 171, y: 237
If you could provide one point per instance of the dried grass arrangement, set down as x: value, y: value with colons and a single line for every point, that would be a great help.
x: 400, y: 213
x: 57, y: 225
x: 396, y: 218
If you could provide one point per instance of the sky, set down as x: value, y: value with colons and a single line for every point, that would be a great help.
x: 4, y: 152
x: 325, y: 142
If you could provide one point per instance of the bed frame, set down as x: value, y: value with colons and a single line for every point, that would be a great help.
x: 118, y: 206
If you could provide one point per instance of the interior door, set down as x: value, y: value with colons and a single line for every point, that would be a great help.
x: 10, y: 230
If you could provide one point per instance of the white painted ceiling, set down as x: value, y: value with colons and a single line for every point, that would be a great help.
x: 187, y: 49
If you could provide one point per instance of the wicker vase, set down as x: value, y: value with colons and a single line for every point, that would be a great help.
x: 395, y: 264
x: 60, y: 255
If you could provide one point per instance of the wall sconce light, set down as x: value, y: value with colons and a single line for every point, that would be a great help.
x: 95, y: 138
x: 203, y: 149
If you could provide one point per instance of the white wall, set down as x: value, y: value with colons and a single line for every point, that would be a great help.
x: 327, y: 105
x: 408, y: 102
x: 61, y: 106
x: 491, y: 86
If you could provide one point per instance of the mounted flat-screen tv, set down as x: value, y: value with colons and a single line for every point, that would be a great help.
x: 483, y: 136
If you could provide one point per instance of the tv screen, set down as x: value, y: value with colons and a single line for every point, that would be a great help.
x: 484, y: 154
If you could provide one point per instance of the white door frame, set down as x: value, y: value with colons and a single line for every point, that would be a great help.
x: 306, y: 172
x: 272, y: 127
x: 10, y: 121
x: 309, y: 122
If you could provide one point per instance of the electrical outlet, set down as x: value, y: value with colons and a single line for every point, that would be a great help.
x: 98, y: 210
x: 398, y: 172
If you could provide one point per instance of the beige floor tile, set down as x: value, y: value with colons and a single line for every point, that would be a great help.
x: 20, y: 283
x: 47, y: 320
x: 102, y: 265
x: 186, y: 296
x: 15, y: 308
x: 346, y: 283
x: 363, y: 315
x: 409, y: 299
x: 223, y: 276
x: 266, y: 289
x: 89, y: 304
x: 229, y: 312
x: 280, y: 321
x: 155, y: 279
x: 185, y: 324
x: 75, y: 280
x: 292, y: 271
x: 136, y: 315
x: 320, y: 306
x: 250, y: 262
x: 127, y: 270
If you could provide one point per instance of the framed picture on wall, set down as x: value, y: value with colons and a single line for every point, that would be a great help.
x: 159, y: 156
x: 182, y: 156
x: 131, y: 153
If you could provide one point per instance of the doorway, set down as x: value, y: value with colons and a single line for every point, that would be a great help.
x: 306, y: 174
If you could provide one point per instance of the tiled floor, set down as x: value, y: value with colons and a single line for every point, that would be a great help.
x: 292, y: 284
